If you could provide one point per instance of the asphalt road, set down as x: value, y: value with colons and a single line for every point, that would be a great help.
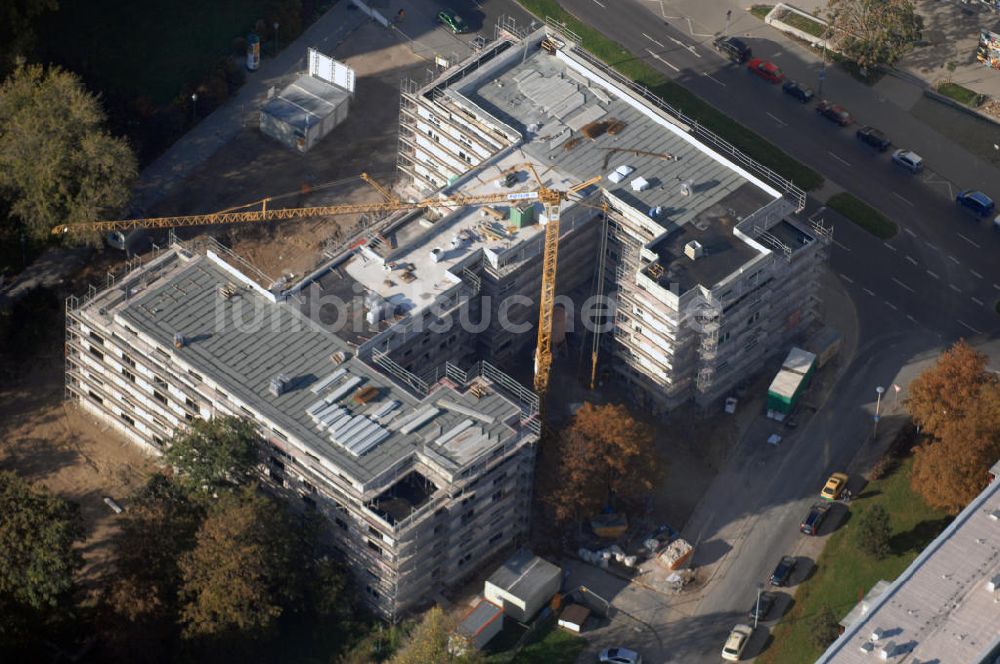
x: 935, y: 281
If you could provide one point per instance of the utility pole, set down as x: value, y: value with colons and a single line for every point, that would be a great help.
x: 756, y: 611
x: 276, y: 39
x: 194, y: 107
x: 879, y: 391
x: 729, y: 15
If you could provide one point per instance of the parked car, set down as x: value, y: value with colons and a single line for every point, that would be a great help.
x: 834, y: 113
x: 976, y: 201
x: 451, y: 20
x: 766, y: 69
x: 736, y: 643
x: 760, y: 609
x: 798, y: 91
x: 874, y: 138
x: 834, y: 486
x: 733, y: 48
x: 619, y: 656
x: 817, y: 514
x: 783, y: 571
x: 908, y: 159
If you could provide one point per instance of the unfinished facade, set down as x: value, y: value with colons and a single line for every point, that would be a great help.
x: 701, y: 253
x: 420, y: 481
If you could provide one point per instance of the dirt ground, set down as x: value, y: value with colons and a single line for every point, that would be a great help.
x: 254, y: 166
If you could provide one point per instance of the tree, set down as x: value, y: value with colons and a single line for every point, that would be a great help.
x: 873, y: 531
x: 17, y: 33
x: 215, y: 455
x: 58, y: 164
x: 957, y: 403
x: 604, y: 455
x: 159, y: 526
x: 37, y: 534
x: 244, y: 570
x: 824, y: 628
x: 428, y: 643
x: 873, y: 32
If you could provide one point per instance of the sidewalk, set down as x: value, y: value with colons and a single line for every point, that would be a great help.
x: 176, y: 164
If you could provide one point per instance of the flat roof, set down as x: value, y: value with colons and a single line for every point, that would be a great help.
x: 785, y: 383
x: 245, y: 341
x: 940, y: 608
x: 476, y: 620
x: 523, y: 573
x: 306, y: 102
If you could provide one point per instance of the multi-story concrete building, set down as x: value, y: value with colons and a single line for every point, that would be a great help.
x: 420, y: 481
x: 700, y: 247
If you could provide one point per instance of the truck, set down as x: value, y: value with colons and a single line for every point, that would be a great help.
x: 789, y: 384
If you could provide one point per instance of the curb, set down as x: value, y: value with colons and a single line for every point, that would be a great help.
x: 938, y: 97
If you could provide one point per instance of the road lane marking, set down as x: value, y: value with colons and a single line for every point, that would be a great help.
x: 975, y: 274
x: 872, y: 293
x: 846, y: 278
x: 932, y: 246
x: 891, y: 305
x: 969, y: 241
x: 912, y: 234
x: 706, y: 74
x: 843, y: 161
x: 778, y: 120
x: 912, y: 319
x: 955, y: 288
x: 964, y: 324
x: 900, y: 283
x: 845, y: 248
x: 603, y: 6
x: 687, y: 46
x: 955, y: 260
x: 911, y: 259
x: 691, y: 29
x: 661, y: 59
x: 902, y: 199
x: 889, y: 246
x: 653, y: 40
x: 977, y: 301
x: 933, y: 275
x: 997, y: 286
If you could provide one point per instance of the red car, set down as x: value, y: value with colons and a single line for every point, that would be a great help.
x: 834, y: 113
x: 766, y: 69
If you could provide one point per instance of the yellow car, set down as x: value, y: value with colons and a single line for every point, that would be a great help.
x: 834, y: 486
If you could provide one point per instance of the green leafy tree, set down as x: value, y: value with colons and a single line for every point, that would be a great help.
x: 824, y: 628
x: 37, y: 534
x: 873, y: 32
x: 873, y: 531
x: 244, y: 571
x: 605, y: 454
x: 428, y: 642
x: 17, y: 28
x: 58, y: 164
x: 215, y: 455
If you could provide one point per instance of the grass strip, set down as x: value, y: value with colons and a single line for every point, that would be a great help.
x: 807, y: 25
x: 760, y: 11
x: 961, y: 94
x: 843, y: 572
x: 627, y: 64
x: 863, y: 215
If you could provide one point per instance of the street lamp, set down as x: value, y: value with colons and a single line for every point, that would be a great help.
x: 729, y: 15
x: 879, y: 391
x: 756, y: 612
x: 275, y: 38
x: 194, y: 107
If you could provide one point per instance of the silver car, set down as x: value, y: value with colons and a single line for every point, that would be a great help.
x: 909, y: 160
x: 619, y: 656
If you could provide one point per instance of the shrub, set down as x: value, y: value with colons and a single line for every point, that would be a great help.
x: 873, y: 532
x: 824, y: 627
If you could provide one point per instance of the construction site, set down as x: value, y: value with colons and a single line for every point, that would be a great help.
x: 539, y: 194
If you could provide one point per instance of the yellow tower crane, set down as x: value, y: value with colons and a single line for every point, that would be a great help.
x: 550, y: 199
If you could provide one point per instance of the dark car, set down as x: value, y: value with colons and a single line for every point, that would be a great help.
x: 833, y: 113
x: 874, y: 138
x: 976, y: 201
x: 760, y: 610
x: 733, y: 48
x: 798, y: 91
x: 766, y: 69
x: 781, y: 573
x: 810, y: 525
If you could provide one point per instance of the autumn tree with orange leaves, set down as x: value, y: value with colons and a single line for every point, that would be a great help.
x: 957, y: 405
x: 605, y: 455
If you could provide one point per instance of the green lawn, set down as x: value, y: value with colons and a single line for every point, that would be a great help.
x: 553, y: 646
x: 961, y: 94
x: 760, y: 11
x: 844, y: 574
x: 805, y: 24
x: 863, y: 215
x: 145, y: 49
x: 679, y: 97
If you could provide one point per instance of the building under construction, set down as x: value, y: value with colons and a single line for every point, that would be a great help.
x: 375, y: 380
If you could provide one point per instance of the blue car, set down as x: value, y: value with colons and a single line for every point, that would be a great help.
x: 976, y: 201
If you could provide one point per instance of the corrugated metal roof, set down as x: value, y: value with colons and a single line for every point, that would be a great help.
x: 306, y: 102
